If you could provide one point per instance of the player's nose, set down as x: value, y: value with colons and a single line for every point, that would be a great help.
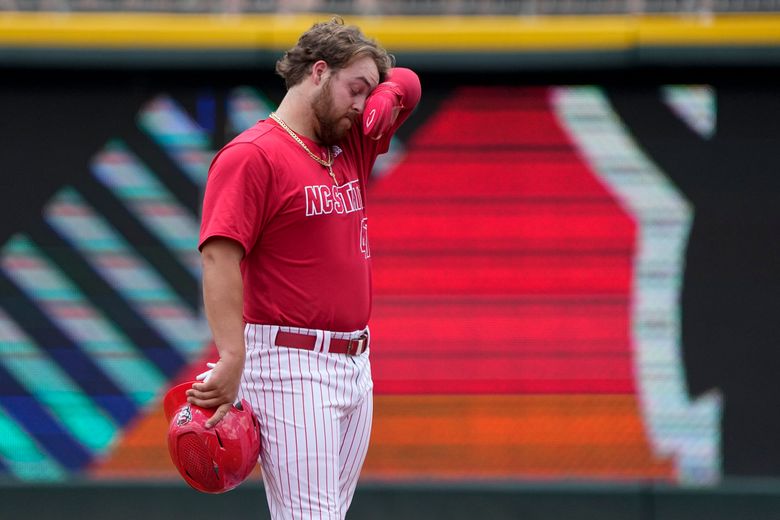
x: 359, y: 105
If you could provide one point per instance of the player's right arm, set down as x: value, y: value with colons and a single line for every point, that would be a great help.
x: 391, y: 102
x: 233, y: 209
x: 223, y: 290
x: 387, y: 107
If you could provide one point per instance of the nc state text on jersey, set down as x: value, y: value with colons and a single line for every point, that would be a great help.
x: 324, y: 200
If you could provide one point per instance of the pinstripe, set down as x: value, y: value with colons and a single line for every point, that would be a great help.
x: 334, y: 440
x: 338, y: 388
x: 353, y: 459
x: 278, y: 443
x: 344, y: 388
x: 329, y: 425
x: 306, y: 434
x: 253, y: 349
x: 254, y: 399
x: 362, y: 448
x: 344, y: 438
x: 288, y: 356
x: 321, y: 456
x: 335, y: 443
x: 351, y: 415
x: 286, y: 466
x: 332, y: 383
x: 275, y: 488
x: 275, y: 485
x: 346, y: 457
x: 355, y: 392
x: 246, y: 378
x: 327, y: 433
x: 274, y: 472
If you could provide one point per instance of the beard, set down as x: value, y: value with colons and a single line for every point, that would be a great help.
x: 333, y: 126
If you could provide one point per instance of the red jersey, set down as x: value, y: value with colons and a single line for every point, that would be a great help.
x: 307, y: 261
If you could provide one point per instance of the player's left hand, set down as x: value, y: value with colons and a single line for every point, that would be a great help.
x: 218, y: 389
x: 381, y: 110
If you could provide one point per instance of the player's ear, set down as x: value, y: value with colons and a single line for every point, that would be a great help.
x: 319, y: 71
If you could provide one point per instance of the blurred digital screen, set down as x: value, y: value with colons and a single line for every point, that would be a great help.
x: 527, y: 266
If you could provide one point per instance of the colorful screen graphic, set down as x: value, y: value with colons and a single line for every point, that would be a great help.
x: 527, y: 259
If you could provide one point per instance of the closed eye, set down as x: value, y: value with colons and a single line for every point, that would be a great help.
x: 359, y: 87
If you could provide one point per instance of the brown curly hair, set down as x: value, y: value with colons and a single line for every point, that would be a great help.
x: 335, y: 43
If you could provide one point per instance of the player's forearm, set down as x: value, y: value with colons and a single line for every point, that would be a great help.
x: 406, y: 84
x: 223, y: 299
x: 390, y: 103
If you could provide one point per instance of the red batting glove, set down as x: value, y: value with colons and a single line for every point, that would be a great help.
x: 381, y: 111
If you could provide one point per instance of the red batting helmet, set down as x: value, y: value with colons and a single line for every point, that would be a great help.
x: 211, y: 460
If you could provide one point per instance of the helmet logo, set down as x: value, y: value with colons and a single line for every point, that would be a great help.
x: 184, y: 416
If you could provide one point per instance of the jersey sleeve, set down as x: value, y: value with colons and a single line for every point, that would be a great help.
x: 237, y: 190
x: 406, y: 85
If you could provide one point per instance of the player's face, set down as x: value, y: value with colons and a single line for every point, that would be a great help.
x: 342, y: 98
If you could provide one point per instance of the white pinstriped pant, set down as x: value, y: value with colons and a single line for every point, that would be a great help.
x: 315, y: 411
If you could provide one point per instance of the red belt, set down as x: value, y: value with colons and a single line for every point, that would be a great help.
x: 352, y: 347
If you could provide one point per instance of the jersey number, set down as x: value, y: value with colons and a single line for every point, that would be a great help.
x: 364, y: 238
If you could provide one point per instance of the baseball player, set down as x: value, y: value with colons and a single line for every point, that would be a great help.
x: 287, y: 266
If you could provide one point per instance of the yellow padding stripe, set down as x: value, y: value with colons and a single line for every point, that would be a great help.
x: 424, y: 33
x: 723, y: 30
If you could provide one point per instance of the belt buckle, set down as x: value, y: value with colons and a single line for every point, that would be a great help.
x: 359, y: 343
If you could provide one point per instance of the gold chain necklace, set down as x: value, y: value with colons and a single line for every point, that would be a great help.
x: 327, y: 164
